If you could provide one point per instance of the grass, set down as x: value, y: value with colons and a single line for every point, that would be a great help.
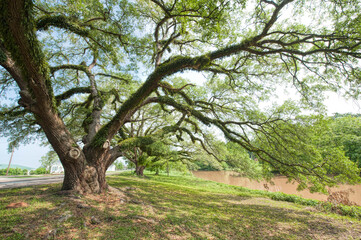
x: 175, y: 207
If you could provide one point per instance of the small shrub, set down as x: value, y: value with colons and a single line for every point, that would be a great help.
x: 352, y: 211
x: 12, y: 171
x: 38, y: 171
x: 279, y: 196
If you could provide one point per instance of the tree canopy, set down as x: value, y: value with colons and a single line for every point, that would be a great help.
x: 347, y: 133
x: 78, y: 71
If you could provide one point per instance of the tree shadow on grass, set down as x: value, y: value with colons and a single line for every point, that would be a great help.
x: 47, y: 216
x: 182, y: 212
x: 183, y: 215
x: 204, y: 219
x: 158, y: 211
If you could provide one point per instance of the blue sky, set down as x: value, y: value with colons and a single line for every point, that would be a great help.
x: 26, y: 155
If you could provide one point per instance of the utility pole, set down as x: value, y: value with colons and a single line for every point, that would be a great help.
x: 12, y: 153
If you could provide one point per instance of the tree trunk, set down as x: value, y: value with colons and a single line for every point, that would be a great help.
x: 86, y: 176
x: 84, y: 169
x: 139, y: 170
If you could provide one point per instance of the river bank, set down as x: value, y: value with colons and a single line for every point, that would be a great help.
x: 161, y: 207
x: 281, y: 184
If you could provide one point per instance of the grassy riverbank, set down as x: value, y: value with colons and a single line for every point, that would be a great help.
x: 161, y: 207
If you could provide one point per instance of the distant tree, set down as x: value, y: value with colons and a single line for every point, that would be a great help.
x: 312, y: 140
x: 149, y: 155
x: 342, y: 115
x: 13, y: 171
x: 39, y: 171
x: 48, y: 160
x: 25, y: 172
x: 141, y: 140
x: 153, y: 138
x: 129, y: 165
x: 119, y: 165
x: 230, y: 156
x: 238, y: 159
x: 347, y: 133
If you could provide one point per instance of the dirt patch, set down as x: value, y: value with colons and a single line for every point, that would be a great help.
x: 17, y: 205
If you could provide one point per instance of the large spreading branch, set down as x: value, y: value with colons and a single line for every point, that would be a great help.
x: 29, y: 68
x: 252, y: 45
x: 22, y: 57
x: 266, y: 129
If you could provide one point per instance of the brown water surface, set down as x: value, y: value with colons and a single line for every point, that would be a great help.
x: 281, y: 185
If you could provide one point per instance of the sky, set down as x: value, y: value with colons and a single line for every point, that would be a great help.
x: 26, y: 155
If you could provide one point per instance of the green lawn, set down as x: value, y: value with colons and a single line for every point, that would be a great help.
x: 175, y: 207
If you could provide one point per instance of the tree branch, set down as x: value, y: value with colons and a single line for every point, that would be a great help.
x: 71, y: 92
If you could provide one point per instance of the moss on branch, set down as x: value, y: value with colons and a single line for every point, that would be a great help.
x: 167, y: 68
x: 19, y: 38
x: 72, y: 92
x: 71, y: 67
x: 3, y: 56
x: 140, y: 142
x: 63, y: 22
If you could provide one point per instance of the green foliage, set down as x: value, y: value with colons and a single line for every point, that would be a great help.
x: 39, y: 171
x: 129, y: 165
x: 124, y: 66
x: 14, y: 171
x: 279, y: 196
x: 141, y: 142
x: 351, y: 211
x: 306, y: 148
x: 239, y: 159
x: 147, y: 141
x: 18, y: 126
x: 347, y: 132
x: 48, y: 160
x: 119, y: 165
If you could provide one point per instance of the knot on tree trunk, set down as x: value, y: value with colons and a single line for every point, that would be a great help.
x: 74, y: 153
x: 106, y: 144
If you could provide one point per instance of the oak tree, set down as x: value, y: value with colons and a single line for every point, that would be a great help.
x: 81, y: 69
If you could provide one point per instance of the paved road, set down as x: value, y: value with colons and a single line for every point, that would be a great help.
x: 11, y: 182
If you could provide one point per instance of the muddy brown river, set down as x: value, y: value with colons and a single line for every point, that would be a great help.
x: 280, y: 185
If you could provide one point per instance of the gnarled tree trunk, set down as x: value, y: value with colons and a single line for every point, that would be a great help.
x: 88, y: 174
x: 84, y: 179
x: 139, y: 170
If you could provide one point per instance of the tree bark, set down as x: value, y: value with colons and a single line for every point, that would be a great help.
x: 139, y: 170
x: 85, y: 178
